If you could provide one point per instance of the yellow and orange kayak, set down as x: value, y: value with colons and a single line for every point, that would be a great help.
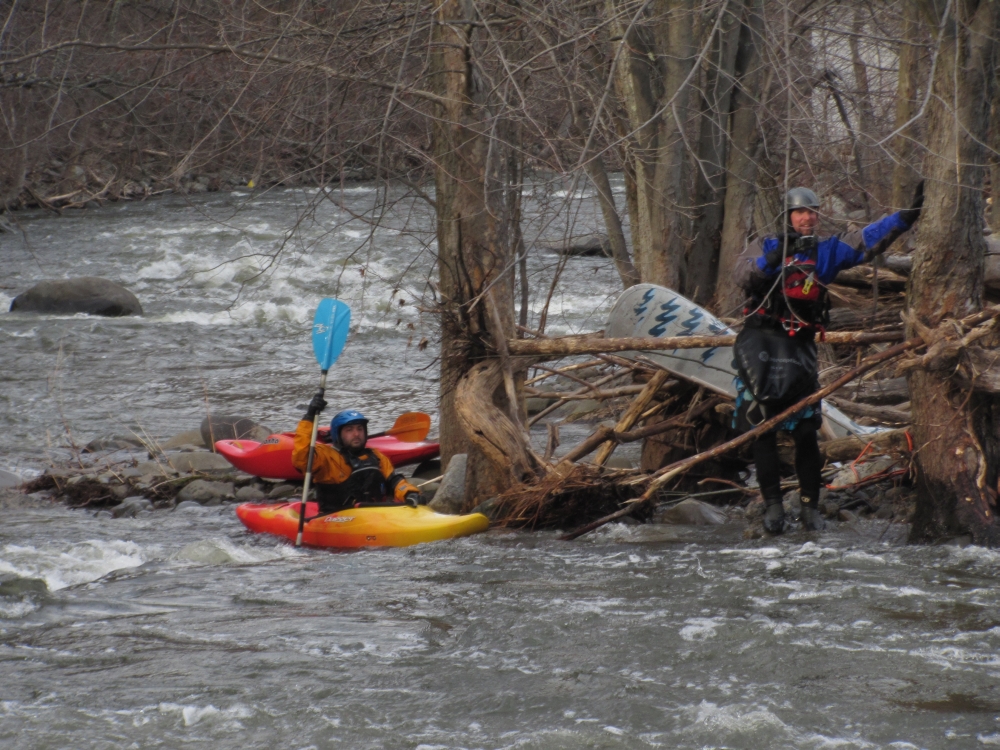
x: 382, y: 526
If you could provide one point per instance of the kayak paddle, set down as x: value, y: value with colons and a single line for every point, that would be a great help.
x: 330, y: 326
x: 410, y: 427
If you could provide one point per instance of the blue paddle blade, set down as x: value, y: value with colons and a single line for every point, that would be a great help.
x: 330, y: 327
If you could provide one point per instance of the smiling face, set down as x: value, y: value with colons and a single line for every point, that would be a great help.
x: 804, y: 221
x: 353, y: 436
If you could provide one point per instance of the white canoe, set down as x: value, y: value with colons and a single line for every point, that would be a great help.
x: 648, y: 310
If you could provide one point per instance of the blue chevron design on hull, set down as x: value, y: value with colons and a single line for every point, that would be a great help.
x: 665, y: 317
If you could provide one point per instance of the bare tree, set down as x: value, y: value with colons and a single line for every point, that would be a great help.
x: 955, y: 429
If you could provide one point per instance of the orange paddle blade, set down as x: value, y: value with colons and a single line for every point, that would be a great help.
x: 411, y: 427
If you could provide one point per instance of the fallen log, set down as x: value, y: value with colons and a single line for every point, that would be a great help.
x: 885, y: 414
x: 850, y: 447
x: 596, y: 344
x: 632, y: 414
x: 603, y: 434
x: 890, y: 391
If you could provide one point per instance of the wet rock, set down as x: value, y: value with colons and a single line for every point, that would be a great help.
x: 283, y: 491
x: 583, y: 407
x: 690, y: 512
x: 188, y: 505
x: 885, y: 512
x: 199, y: 461
x: 111, y: 444
x: 131, y: 506
x: 9, y: 479
x: 583, y: 245
x: 154, y: 469
x: 120, y: 491
x: 422, y: 476
x: 130, y: 472
x: 450, y: 496
x: 205, y: 492
x: 249, y: 495
x: 619, y: 462
x: 792, y: 504
x: 488, y: 508
x: 190, y: 437
x: 224, y: 427
x: 847, y: 516
x: 535, y: 405
x: 829, y: 508
x: 87, y: 294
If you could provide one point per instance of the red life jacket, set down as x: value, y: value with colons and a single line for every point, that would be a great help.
x: 800, y: 280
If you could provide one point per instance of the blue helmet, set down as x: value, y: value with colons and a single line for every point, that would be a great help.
x: 344, y: 418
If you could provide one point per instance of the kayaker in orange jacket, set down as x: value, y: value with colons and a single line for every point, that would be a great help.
x: 347, y: 473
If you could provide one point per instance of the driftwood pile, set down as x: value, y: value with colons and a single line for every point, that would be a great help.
x: 690, y: 449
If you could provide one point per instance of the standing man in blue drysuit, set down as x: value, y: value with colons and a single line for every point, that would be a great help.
x: 785, y: 278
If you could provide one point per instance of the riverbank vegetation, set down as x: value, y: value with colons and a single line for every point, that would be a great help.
x: 711, y: 109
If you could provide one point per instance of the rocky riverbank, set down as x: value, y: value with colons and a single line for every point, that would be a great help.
x: 123, y: 477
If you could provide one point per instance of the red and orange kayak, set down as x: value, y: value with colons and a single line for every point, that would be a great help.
x: 273, y: 457
x: 382, y: 526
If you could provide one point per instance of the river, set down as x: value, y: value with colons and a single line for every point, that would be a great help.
x: 179, y: 629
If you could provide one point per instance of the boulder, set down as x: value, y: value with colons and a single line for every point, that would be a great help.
x: 9, y: 479
x: 111, y: 444
x: 691, y: 512
x: 450, y: 496
x: 205, y: 492
x: 283, y: 491
x: 223, y: 427
x: 587, y: 244
x: 190, y: 437
x: 87, y: 294
x: 188, y: 505
x: 535, y: 405
x: 131, y: 506
x: 249, y: 495
x: 199, y: 461
x: 488, y: 508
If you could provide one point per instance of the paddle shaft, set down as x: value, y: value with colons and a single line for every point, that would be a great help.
x: 309, y: 464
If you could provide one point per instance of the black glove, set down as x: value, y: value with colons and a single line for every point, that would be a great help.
x: 317, y: 405
x: 412, y: 499
x: 911, y: 214
x: 773, y: 257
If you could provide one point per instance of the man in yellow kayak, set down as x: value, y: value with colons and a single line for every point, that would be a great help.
x: 347, y: 474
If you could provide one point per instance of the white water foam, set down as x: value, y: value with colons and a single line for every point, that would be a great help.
x: 224, y: 552
x: 72, y: 564
x: 193, y: 714
x: 700, y: 628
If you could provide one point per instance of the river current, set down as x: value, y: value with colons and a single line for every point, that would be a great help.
x: 180, y: 629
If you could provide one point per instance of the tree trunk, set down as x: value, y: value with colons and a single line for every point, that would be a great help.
x: 598, y: 174
x: 905, y: 174
x: 473, y: 237
x: 746, y: 137
x: 993, y: 216
x: 701, y: 265
x: 652, y: 81
x: 952, y: 429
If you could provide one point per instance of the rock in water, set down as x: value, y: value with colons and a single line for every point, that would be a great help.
x: 224, y: 427
x: 205, y: 492
x: 588, y: 244
x: 691, y: 512
x: 87, y: 294
x: 451, y: 494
